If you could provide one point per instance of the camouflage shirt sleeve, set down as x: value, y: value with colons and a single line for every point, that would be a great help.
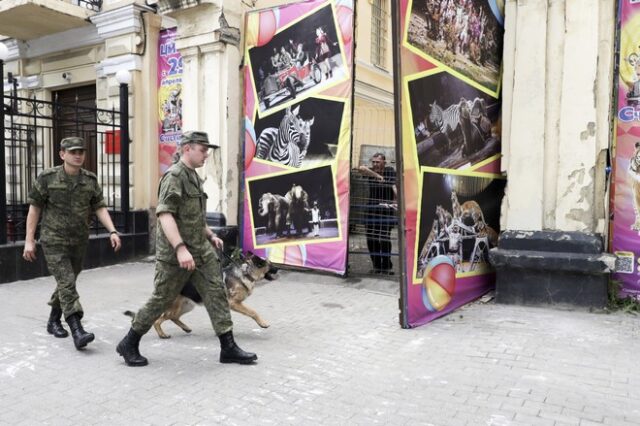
x: 39, y: 195
x: 97, y: 199
x: 170, y: 194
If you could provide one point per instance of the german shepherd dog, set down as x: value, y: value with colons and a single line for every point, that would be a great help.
x: 239, y: 277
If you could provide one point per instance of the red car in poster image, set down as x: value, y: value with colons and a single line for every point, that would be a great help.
x: 286, y: 82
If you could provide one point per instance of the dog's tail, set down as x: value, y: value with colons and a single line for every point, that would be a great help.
x: 129, y: 314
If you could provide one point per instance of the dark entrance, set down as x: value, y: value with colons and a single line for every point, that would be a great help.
x: 75, y: 115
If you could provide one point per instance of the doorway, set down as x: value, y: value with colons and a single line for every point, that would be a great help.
x: 75, y: 115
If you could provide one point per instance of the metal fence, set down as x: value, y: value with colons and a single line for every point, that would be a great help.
x: 373, y: 219
x: 30, y: 134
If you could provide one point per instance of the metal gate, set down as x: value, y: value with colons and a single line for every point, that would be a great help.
x: 373, y: 217
x: 28, y: 145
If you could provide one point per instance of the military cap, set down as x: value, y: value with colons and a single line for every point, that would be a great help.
x: 72, y: 144
x: 201, y: 138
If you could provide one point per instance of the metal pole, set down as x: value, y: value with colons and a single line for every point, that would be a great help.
x: 3, y: 182
x: 124, y: 153
x: 397, y: 102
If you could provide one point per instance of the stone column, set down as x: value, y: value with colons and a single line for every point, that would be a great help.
x: 129, y: 46
x: 557, y: 99
x: 212, y: 96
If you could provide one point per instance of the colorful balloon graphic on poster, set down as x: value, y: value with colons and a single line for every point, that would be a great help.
x: 297, y: 115
x: 449, y: 66
x: 625, y: 198
x: 169, y: 98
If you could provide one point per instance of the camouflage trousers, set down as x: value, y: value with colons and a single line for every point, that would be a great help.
x: 168, y: 282
x: 65, y: 263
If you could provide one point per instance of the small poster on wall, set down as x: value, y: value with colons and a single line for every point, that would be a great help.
x: 169, y: 98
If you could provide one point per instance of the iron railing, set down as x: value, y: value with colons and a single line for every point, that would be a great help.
x: 30, y: 133
x: 373, y: 237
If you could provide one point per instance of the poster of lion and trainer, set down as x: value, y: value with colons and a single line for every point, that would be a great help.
x: 465, y: 36
x: 294, y: 208
x: 460, y: 218
x: 455, y: 125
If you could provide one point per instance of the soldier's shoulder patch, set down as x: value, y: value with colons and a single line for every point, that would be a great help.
x: 175, y: 171
x: 89, y: 174
x: 51, y: 171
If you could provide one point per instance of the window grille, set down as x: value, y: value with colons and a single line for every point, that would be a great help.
x: 379, y: 32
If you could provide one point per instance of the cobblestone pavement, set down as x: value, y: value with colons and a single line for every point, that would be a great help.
x: 334, y: 355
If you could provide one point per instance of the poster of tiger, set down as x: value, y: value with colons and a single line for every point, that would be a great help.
x: 297, y: 118
x: 448, y: 62
x: 625, y: 191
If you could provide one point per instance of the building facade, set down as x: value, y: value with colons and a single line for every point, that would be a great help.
x: 557, y: 92
x: 71, y: 51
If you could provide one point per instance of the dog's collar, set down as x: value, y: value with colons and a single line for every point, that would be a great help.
x: 247, y: 275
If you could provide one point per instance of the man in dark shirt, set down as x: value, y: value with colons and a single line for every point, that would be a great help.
x: 381, y: 213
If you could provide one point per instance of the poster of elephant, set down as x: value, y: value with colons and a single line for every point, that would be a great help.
x: 291, y: 208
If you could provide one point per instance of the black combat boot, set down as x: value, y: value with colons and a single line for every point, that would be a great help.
x: 128, y: 349
x: 230, y: 352
x: 80, y: 337
x: 54, y: 325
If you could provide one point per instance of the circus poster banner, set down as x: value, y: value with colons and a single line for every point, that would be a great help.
x: 625, y: 189
x: 449, y: 62
x: 297, y: 113
x: 169, y: 98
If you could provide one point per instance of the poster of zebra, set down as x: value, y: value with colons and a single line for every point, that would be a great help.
x: 449, y: 109
x: 625, y: 200
x: 297, y: 115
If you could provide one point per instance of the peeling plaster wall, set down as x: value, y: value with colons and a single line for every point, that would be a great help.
x: 212, y: 96
x: 557, y: 100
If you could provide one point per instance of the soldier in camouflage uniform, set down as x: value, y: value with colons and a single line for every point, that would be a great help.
x: 184, y: 251
x: 66, y: 196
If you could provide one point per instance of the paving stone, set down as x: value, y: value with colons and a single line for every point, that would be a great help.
x: 334, y: 355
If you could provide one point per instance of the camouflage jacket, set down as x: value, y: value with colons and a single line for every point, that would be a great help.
x: 67, y: 203
x: 181, y: 194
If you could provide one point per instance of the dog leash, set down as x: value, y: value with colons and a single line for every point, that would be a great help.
x: 229, y: 258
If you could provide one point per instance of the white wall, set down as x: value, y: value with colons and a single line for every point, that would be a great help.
x: 557, y: 98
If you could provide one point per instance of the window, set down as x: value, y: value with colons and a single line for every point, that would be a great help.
x: 379, y: 25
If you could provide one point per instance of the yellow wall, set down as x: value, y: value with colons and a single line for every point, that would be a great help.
x: 365, y: 70
x: 373, y: 125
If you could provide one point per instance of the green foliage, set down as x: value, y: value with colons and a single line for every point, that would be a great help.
x: 627, y: 304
